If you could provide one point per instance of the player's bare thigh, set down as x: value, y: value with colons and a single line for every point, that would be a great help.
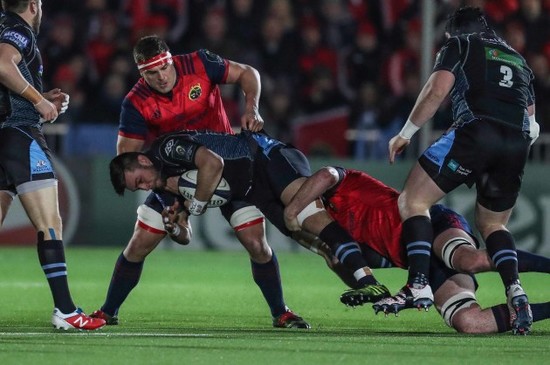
x: 42, y: 208
x: 142, y: 243
x: 465, y: 257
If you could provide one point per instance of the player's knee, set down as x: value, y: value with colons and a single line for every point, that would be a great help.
x: 455, y: 311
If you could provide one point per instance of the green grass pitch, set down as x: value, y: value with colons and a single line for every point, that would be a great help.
x: 203, y: 308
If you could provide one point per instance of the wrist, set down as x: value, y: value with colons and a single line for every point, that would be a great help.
x: 408, y: 130
x: 32, y: 95
x: 197, y: 207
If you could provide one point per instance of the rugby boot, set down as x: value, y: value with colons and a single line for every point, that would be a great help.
x: 75, y: 320
x: 521, y: 317
x: 290, y: 320
x: 110, y: 320
x: 408, y: 297
x: 369, y: 293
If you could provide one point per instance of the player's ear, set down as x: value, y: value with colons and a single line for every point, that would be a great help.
x: 144, y: 160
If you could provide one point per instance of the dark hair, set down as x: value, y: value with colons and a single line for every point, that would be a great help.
x: 148, y: 47
x: 466, y: 20
x: 127, y: 161
x: 15, y: 6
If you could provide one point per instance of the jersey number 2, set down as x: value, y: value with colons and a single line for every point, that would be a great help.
x: 507, y: 75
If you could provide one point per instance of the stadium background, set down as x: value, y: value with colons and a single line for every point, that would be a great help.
x: 339, y: 78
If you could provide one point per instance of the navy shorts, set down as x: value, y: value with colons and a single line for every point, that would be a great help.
x: 24, y: 157
x: 484, y: 153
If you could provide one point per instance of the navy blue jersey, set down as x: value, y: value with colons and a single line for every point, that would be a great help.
x: 257, y: 167
x: 493, y: 81
x: 14, y: 109
x: 174, y: 153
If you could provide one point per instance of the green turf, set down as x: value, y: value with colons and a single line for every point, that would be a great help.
x: 203, y: 308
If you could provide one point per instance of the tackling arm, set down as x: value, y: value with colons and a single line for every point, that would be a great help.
x: 312, y: 189
x: 125, y: 144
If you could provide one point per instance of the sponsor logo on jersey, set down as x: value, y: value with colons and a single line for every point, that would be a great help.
x: 493, y: 54
x: 168, y: 147
x: 17, y: 38
x: 184, y: 153
x: 195, y: 92
x: 211, y: 57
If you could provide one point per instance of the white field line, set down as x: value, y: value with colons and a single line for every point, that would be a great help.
x: 103, y: 334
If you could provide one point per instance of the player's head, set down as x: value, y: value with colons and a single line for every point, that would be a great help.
x: 134, y: 171
x: 32, y: 8
x: 466, y: 20
x: 155, y: 64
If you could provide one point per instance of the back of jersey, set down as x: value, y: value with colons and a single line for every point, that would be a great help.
x: 493, y: 81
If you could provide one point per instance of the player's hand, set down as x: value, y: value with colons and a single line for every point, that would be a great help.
x: 170, y: 217
x: 252, y: 120
x: 396, y: 146
x: 59, y: 99
x: 47, y: 110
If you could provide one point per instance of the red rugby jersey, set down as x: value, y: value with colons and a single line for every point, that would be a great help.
x: 195, y: 102
x: 367, y: 209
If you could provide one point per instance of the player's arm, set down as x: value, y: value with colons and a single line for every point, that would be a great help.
x: 11, y: 77
x: 125, y: 144
x: 248, y: 78
x: 210, y: 168
x: 314, y: 186
x: 432, y: 95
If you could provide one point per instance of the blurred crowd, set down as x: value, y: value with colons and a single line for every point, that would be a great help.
x: 313, y: 55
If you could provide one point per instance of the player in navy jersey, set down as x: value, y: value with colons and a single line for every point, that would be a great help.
x: 367, y: 208
x: 176, y: 93
x: 25, y: 161
x: 491, y: 90
x: 260, y: 170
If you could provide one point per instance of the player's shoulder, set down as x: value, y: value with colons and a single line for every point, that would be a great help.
x: 15, y: 33
x: 140, y: 92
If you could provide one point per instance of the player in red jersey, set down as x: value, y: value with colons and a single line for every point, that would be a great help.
x: 368, y: 209
x: 181, y: 93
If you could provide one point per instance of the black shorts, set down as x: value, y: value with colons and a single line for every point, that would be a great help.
x: 24, y: 157
x: 489, y: 154
x: 272, y: 174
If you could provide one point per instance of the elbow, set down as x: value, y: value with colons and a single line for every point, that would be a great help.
x: 329, y: 176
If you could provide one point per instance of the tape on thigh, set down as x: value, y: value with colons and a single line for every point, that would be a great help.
x: 450, y: 247
x: 31, y: 186
x: 312, y: 208
x: 456, y: 303
x: 246, y: 217
x: 150, y: 220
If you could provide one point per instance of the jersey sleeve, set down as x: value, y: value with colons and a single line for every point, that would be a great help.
x: 131, y: 123
x: 178, y: 151
x: 216, y: 67
x: 18, y: 37
x: 449, y: 56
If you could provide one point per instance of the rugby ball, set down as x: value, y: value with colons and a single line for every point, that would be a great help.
x: 187, y: 184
